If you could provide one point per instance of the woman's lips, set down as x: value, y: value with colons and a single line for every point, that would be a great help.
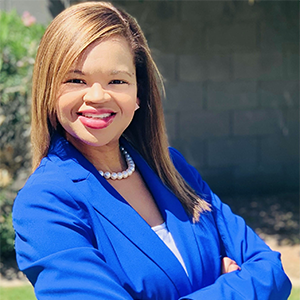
x: 96, y: 120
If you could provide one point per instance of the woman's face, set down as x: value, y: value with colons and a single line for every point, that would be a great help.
x: 97, y: 99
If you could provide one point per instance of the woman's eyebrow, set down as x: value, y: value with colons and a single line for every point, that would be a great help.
x: 76, y: 71
x: 115, y: 72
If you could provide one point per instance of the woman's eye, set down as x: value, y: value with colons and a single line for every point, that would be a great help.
x: 117, y: 81
x: 77, y: 81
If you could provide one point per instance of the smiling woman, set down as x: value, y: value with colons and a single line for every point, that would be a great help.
x: 100, y: 93
x: 110, y: 211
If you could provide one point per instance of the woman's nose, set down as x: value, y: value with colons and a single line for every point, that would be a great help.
x: 95, y: 93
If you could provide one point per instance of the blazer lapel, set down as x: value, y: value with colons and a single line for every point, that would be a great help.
x: 178, y: 222
x: 112, y: 206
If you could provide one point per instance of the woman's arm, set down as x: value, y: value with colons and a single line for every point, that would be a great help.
x: 261, y: 276
x: 57, y: 250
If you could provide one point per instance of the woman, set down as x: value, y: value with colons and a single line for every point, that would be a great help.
x: 110, y: 212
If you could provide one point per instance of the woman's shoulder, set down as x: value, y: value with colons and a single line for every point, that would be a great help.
x: 48, y: 172
x: 182, y: 165
x: 178, y: 159
x: 49, y: 180
x: 190, y: 174
x: 48, y: 188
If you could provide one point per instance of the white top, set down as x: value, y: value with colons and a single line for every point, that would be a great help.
x: 166, y: 236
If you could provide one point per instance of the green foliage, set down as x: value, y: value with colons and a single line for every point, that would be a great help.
x: 6, y: 228
x: 17, y: 293
x: 18, y: 46
x: 295, y: 295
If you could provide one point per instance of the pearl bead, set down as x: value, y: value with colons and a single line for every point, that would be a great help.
x: 113, y: 176
x: 107, y: 175
x: 121, y: 175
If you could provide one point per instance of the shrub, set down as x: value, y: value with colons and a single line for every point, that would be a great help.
x: 19, y: 39
x: 18, y: 45
x: 6, y: 229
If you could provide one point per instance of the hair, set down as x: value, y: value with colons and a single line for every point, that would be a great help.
x: 69, y: 34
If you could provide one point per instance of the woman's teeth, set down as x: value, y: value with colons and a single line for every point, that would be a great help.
x: 100, y: 116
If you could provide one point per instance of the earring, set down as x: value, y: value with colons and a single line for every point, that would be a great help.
x: 136, y: 106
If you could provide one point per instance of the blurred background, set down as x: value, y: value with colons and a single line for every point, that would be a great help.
x: 231, y: 72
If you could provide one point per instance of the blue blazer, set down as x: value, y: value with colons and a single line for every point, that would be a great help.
x: 77, y: 238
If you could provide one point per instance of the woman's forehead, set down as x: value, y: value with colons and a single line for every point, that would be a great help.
x: 114, y: 49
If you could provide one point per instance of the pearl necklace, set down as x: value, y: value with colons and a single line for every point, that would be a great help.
x: 121, y: 175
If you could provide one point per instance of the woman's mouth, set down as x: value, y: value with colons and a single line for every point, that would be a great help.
x: 96, y: 120
x: 97, y: 116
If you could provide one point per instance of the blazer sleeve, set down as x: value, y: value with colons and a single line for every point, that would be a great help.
x: 55, y: 247
x: 261, y: 276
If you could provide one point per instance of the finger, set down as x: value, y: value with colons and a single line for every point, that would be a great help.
x: 229, y: 265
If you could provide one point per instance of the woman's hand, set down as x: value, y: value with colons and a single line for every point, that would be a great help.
x: 229, y: 265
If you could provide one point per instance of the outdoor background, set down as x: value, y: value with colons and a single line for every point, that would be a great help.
x: 231, y: 71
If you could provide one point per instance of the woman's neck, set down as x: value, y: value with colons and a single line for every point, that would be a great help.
x: 106, y: 158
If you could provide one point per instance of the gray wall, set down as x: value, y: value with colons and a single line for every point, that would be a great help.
x: 231, y: 71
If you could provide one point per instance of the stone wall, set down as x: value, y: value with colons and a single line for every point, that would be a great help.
x: 231, y: 72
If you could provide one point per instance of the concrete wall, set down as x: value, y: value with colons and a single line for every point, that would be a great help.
x: 232, y: 81
x: 231, y: 71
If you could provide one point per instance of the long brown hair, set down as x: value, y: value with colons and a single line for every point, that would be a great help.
x: 69, y: 34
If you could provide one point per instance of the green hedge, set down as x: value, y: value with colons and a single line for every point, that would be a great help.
x: 19, y: 39
x: 18, y: 45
